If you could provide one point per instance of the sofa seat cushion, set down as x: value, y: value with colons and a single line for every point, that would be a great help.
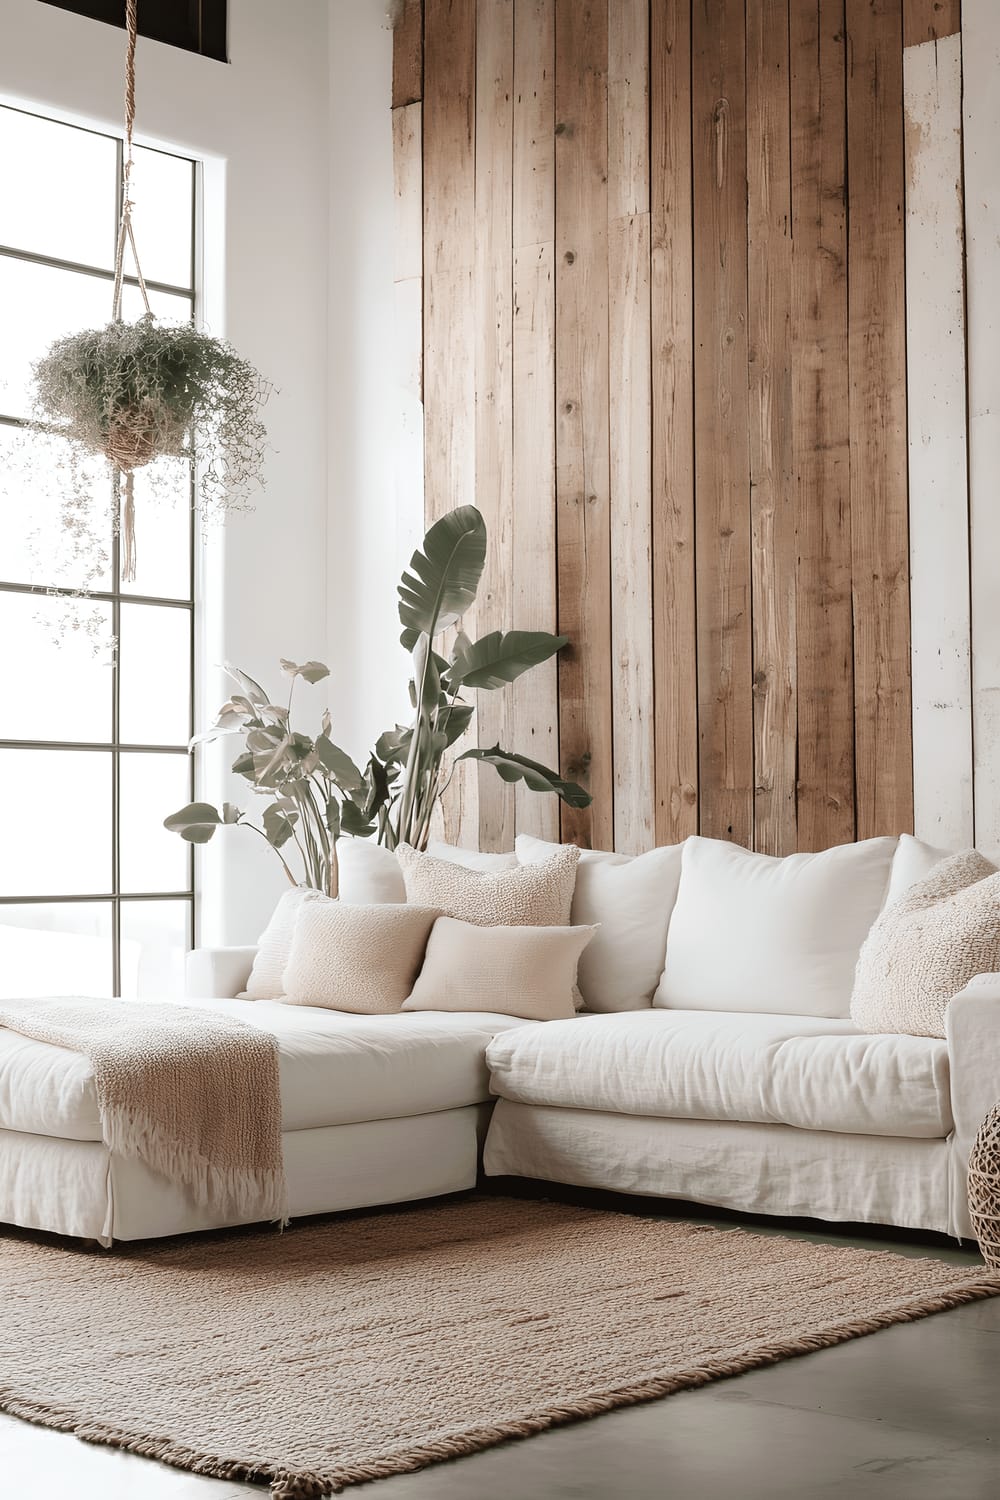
x: 336, y: 1069
x: 805, y: 1071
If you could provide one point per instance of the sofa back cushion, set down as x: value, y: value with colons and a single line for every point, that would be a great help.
x: 751, y: 932
x: 630, y: 899
x: 913, y: 861
x: 370, y: 873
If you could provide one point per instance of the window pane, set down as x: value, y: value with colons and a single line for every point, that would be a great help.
x: 162, y: 194
x: 58, y: 681
x: 155, y: 937
x: 154, y: 660
x: 59, y: 188
x: 55, y: 949
x: 153, y: 786
x: 36, y: 545
x: 57, y: 822
x: 163, y: 532
x: 37, y: 305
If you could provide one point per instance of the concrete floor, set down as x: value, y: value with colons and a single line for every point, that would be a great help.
x: 911, y: 1413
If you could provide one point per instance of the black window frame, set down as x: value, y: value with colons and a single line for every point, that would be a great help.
x: 195, y: 25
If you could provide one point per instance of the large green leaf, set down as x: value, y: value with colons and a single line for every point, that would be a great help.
x: 338, y: 765
x: 253, y: 690
x: 196, y: 822
x: 454, y: 720
x: 444, y: 574
x: 309, y: 671
x: 279, y: 821
x: 354, y: 822
x: 501, y: 657
x: 537, y: 778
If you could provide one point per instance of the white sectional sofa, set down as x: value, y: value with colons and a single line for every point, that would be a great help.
x: 716, y: 1062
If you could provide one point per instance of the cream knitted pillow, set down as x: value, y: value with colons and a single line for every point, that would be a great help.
x: 926, y: 947
x: 356, y: 958
x: 275, y: 944
x: 527, y: 896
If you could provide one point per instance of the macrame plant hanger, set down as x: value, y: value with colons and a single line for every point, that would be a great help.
x: 127, y: 448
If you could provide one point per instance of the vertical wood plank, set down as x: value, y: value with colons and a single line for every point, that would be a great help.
x: 772, y: 508
x: 981, y: 113
x: 722, y: 479
x: 629, y: 424
x: 938, y: 456
x: 582, y: 444
x: 820, y: 428
x: 449, y: 305
x: 494, y: 315
x: 877, y: 366
x: 672, y: 436
x: 407, y: 157
x: 534, y: 697
x: 930, y: 20
x: 408, y: 54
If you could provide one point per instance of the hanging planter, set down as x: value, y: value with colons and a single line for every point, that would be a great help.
x: 136, y: 392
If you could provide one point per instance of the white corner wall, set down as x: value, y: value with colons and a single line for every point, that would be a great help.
x: 376, y: 419
x: 295, y: 137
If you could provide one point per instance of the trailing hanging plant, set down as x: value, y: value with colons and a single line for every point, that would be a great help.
x: 136, y: 392
x: 319, y: 792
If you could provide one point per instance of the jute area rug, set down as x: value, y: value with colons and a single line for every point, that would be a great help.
x: 357, y: 1348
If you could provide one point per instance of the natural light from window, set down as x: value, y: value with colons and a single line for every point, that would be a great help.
x: 96, y: 898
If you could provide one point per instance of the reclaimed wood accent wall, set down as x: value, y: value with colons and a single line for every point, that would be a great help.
x: 693, y: 340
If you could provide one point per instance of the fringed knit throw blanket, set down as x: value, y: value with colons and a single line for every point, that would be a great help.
x: 193, y: 1094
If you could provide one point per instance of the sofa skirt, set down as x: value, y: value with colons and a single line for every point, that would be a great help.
x: 767, y: 1169
x: 80, y: 1189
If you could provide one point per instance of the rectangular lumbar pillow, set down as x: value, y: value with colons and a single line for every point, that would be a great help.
x: 370, y: 873
x: 631, y: 897
x: 517, y: 971
x: 539, y: 895
x: 356, y: 958
x: 926, y: 947
x: 752, y: 932
x: 275, y: 944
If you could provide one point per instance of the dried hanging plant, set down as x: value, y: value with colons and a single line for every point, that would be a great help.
x: 137, y: 392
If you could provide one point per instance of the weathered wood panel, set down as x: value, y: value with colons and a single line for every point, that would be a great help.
x: 672, y: 438
x: 981, y: 109
x: 722, y: 477
x: 534, y: 711
x: 494, y: 320
x: 820, y: 438
x: 876, y: 359
x: 408, y: 54
x: 449, y: 304
x: 930, y: 20
x: 772, y: 506
x: 938, y: 457
x: 408, y: 294
x: 582, y: 440
x: 629, y: 425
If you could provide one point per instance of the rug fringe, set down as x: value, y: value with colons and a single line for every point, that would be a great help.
x: 289, y: 1484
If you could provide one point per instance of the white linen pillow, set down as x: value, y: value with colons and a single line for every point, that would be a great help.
x: 471, y: 859
x: 266, y: 980
x: 370, y: 873
x: 927, y: 946
x: 913, y: 860
x: 362, y: 959
x: 751, y: 932
x: 630, y: 897
x: 516, y: 971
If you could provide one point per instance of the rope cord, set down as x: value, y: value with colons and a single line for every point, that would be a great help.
x: 126, y: 235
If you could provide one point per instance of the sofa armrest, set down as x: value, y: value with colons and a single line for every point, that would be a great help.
x: 972, y: 1026
x: 217, y: 973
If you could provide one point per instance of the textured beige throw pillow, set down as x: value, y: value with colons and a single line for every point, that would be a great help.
x: 275, y: 944
x: 356, y: 958
x: 527, y: 896
x: 926, y: 947
x: 517, y: 971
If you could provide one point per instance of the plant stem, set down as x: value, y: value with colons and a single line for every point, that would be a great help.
x: 245, y: 823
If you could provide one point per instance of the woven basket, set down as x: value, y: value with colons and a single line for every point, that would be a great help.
x: 984, y: 1188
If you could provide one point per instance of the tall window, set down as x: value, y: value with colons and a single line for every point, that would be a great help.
x: 95, y: 897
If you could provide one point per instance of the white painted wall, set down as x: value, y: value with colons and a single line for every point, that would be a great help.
x: 295, y: 135
x: 375, y: 416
